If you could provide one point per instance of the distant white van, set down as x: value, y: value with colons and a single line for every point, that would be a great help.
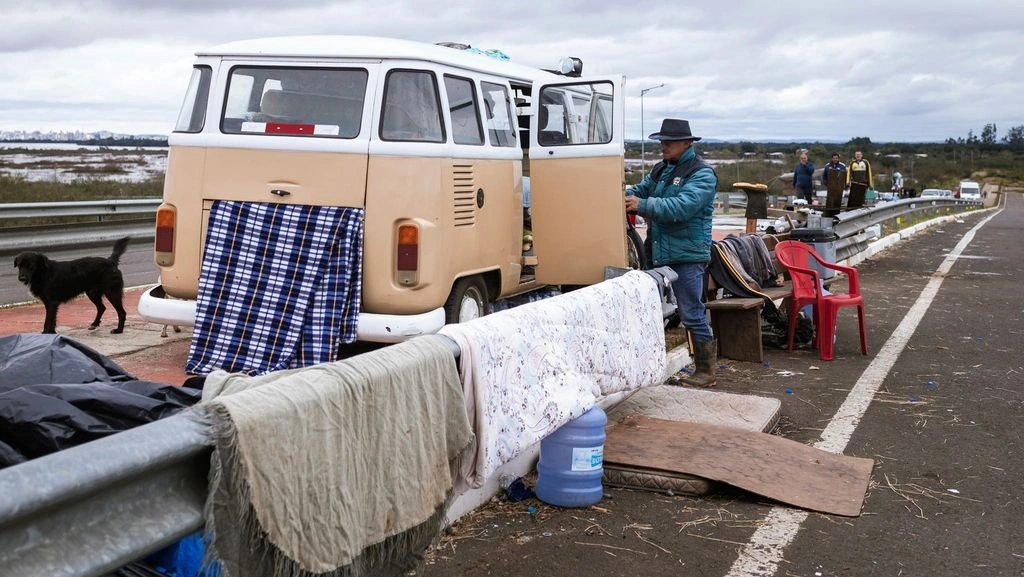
x: 970, y: 190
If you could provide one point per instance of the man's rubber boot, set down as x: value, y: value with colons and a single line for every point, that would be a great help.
x: 705, y: 359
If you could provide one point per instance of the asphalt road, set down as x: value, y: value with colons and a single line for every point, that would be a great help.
x: 136, y: 265
x: 938, y: 405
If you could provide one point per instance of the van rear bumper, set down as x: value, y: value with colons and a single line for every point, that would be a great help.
x: 156, y: 307
x: 397, y: 328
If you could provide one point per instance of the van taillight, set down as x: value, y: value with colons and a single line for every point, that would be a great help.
x: 407, y: 259
x: 408, y: 247
x: 163, y: 246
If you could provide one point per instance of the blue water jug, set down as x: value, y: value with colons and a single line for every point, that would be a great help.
x: 572, y: 462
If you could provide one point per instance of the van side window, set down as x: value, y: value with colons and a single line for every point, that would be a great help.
x: 552, y: 124
x: 295, y: 101
x: 412, y: 107
x: 576, y: 114
x: 464, y: 110
x: 192, y: 116
x: 602, y: 129
x: 499, y: 114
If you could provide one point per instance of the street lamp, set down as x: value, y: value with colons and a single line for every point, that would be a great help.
x: 643, y: 133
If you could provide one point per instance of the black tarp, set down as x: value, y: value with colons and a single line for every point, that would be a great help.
x: 57, y: 393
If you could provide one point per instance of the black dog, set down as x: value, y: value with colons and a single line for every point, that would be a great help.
x: 56, y: 282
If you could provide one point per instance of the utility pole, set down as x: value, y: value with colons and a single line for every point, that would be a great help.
x: 643, y: 133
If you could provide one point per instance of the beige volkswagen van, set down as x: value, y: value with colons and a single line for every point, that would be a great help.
x: 430, y: 141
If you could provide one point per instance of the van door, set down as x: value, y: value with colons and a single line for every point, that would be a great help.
x: 576, y: 177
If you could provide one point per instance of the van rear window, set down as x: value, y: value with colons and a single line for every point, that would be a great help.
x: 319, y: 102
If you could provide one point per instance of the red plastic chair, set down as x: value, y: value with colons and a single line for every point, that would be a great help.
x: 807, y: 289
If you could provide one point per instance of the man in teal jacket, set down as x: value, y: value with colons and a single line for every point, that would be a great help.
x: 677, y: 199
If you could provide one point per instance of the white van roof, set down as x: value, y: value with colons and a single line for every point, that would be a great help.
x: 373, y: 48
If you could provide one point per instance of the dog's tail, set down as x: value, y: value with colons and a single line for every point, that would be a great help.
x: 119, y: 248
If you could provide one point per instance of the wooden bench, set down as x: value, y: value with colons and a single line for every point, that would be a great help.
x: 736, y: 322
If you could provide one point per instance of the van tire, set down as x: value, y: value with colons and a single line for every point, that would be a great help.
x: 467, y: 301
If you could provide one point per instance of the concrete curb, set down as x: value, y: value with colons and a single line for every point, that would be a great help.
x: 676, y: 358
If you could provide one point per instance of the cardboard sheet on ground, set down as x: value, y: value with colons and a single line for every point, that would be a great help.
x: 761, y: 463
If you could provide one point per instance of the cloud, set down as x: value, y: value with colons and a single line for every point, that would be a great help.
x: 785, y: 70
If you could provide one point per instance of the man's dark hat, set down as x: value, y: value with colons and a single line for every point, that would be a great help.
x: 674, y: 129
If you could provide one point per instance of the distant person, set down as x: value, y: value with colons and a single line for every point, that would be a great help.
x: 897, y: 183
x: 834, y: 165
x: 677, y: 199
x: 859, y: 172
x: 803, y: 179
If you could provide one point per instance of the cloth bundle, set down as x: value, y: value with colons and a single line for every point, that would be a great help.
x: 343, y: 468
x: 750, y: 259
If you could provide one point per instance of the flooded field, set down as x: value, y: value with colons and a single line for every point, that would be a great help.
x: 65, y: 163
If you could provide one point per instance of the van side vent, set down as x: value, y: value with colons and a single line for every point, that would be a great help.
x: 464, y: 195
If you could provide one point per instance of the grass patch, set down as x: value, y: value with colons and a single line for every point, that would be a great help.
x: 18, y: 189
x: 15, y: 189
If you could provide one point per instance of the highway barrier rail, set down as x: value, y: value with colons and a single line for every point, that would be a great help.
x: 18, y: 232
x: 850, y: 226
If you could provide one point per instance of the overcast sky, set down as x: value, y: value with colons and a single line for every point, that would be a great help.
x: 737, y: 69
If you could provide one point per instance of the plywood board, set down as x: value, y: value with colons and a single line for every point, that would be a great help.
x: 676, y: 403
x: 768, y: 465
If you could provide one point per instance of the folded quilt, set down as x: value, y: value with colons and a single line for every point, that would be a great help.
x: 528, y: 370
x: 342, y: 468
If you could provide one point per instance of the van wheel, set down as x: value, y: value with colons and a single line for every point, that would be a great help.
x: 467, y: 301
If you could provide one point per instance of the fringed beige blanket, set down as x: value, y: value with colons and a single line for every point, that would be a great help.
x: 337, y: 469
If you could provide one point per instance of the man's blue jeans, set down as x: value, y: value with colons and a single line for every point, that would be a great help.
x: 689, y: 290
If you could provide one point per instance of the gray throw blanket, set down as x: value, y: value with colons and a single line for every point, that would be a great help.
x: 337, y: 469
x: 751, y: 257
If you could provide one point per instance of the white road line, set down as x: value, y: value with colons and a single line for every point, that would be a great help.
x: 766, y: 548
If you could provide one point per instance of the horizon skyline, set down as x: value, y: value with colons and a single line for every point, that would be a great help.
x: 761, y: 74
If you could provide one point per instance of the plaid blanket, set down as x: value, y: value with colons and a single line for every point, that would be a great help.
x: 279, y: 287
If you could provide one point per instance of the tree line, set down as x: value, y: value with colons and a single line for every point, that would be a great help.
x: 1014, y: 138
x: 922, y: 164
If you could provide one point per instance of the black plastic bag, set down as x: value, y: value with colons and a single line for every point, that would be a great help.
x: 57, y: 393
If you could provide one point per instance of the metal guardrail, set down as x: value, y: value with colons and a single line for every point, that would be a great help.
x: 87, y: 510
x: 46, y: 238
x: 43, y: 238
x: 90, y: 509
x: 97, y: 208
x: 850, y: 226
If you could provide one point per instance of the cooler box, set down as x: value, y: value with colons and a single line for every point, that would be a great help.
x: 823, y: 240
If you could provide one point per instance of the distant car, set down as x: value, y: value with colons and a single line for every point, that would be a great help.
x: 936, y: 193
